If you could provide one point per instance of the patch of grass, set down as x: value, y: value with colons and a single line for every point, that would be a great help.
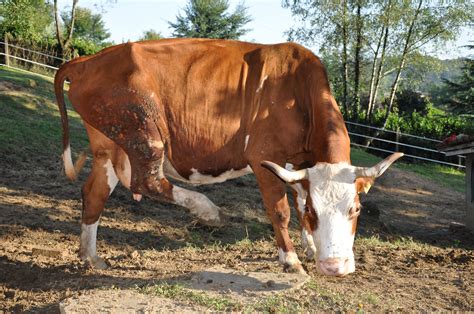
x: 398, y: 242
x: 179, y: 292
x: 30, y: 121
x: 326, y: 298
x: 275, y: 304
x: 446, y: 176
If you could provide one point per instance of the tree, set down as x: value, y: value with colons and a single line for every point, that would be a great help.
x: 25, y: 19
x: 462, y: 89
x: 210, y: 19
x: 88, y: 26
x: 151, y: 34
x: 64, y: 43
x: 400, y: 30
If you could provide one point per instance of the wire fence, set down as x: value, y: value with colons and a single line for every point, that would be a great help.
x: 416, y: 148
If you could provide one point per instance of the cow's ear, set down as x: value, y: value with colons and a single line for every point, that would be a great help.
x: 378, y: 169
x: 363, y: 184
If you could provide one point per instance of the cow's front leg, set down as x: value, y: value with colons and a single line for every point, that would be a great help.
x: 278, y: 210
x: 300, y: 195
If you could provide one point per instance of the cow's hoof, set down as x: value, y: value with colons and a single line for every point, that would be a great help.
x: 97, y: 263
x: 310, y: 255
x: 214, y: 223
x: 295, y: 268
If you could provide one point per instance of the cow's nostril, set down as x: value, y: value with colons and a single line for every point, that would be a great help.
x: 335, y: 266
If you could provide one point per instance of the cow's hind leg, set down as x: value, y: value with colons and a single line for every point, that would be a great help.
x: 197, y: 203
x: 95, y: 192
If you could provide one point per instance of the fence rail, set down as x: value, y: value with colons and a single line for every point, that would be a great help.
x: 379, y: 144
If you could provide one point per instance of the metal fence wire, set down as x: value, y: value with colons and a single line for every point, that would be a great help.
x: 416, y: 148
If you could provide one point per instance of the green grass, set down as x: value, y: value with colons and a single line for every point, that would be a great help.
x: 30, y: 121
x: 448, y: 177
x: 179, y: 292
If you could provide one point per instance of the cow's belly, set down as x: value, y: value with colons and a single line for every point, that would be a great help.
x: 198, y: 178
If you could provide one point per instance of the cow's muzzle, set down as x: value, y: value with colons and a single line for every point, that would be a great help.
x: 337, y: 266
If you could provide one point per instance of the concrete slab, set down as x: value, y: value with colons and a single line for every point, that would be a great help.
x: 124, y: 301
x: 239, y: 284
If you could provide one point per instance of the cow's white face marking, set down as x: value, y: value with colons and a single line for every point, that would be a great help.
x: 197, y: 203
x: 198, y: 178
x: 88, y: 246
x: 112, y: 178
x: 333, y: 193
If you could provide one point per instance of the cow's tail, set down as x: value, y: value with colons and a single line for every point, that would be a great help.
x: 70, y: 168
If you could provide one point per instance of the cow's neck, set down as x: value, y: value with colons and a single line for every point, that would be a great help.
x: 328, y: 139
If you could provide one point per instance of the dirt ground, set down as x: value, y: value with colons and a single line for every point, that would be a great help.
x: 412, y: 249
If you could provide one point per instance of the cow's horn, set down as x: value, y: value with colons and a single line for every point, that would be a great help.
x: 286, y: 175
x: 378, y: 169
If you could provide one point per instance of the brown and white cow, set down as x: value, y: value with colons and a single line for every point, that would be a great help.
x: 204, y: 111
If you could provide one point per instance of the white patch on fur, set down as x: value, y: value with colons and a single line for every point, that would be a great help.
x: 198, y: 178
x: 112, y: 179
x: 332, y: 193
x: 307, y: 242
x: 197, y: 203
x: 247, y: 137
x: 261, y: 84
x: 88, y: 239
x: 171, y: 172
x: 88, y: 246
x: 288, y: 258
x: 301, y: 196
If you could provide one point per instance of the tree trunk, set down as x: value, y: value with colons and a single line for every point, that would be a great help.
x: 64, y: 44
x: 344, y: 59
x: 399, y: 71
x: 378, y: 76
x: 402, y: 64
x: 372, y: 76
x: 377, y: 70
x: 359, y: 25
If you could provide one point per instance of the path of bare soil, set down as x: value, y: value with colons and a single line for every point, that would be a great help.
x: 149, y: 243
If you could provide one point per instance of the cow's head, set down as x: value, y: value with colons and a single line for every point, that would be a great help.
x: 332, y: 206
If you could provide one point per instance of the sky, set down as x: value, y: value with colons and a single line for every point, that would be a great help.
x: 128, y: 19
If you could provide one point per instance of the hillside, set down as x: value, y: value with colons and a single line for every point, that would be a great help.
x: 30, y: 126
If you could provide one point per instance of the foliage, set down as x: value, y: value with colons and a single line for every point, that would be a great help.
x: 26, y: 19
x: 395, y: 35
x: 88, y: 26
x: 151, y: 34
x: 211, y: 19
x: 408, y: 101
x: 462, y: 89
x: 434, y: 123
